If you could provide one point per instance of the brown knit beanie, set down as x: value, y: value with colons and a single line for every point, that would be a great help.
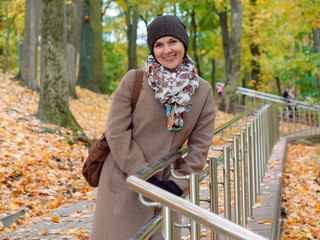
x: 167, y: 25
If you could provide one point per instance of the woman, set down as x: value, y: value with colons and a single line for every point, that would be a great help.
x: 175, y: 105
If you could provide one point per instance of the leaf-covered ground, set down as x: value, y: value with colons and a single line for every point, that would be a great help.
x: 301, y: 192
x: 40, y: 164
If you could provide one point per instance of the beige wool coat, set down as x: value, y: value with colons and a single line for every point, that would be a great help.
x: 119, y: 213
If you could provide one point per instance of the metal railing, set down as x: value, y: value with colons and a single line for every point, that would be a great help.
x: 297, y: 118
x: 244, y: 147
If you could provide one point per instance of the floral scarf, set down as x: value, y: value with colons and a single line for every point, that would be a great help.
x: 173, y: 89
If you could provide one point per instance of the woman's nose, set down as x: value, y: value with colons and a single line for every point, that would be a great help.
x: 167, y: 48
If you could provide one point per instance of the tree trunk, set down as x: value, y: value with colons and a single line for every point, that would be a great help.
x: 255, y: 72
x: 98, y: 83
x: 225, y: 39
x: 54, y: 92
x: 74, y: 15
x: 86, y: 49
x: 194, y: 33
x: 19, y: 51
x: 278, y: 86
x: 235, y: 56
x: 213, y: 75
x: 9, y: 23
x: 254, y: 48
x: 30, y: 45
x: 316, y: 39
x: 132, y: 25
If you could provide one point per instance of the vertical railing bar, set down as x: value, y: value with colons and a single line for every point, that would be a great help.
x: 227, y: 192
x: 214, y: 200
x: 305, y: 120
x: 194, y: 198
x: 249, y: 171
x: 281, y: 120
x: 288, y: 116
x: 254, y: 189
x: 299, y: 120
x: 256, y: 156
x: 167, y: 223
x: 243, y: 180
x: 237, y: 181
x: 294, y: 118
x: 310, y: 121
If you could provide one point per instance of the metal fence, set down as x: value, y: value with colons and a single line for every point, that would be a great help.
x: 245, y: 144
x: 236, y: 166
x: 296, y: 118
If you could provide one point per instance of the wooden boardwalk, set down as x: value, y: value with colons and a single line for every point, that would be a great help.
x: 266, y: 214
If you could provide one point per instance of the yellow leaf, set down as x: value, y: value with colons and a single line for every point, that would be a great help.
x: 55, y: 219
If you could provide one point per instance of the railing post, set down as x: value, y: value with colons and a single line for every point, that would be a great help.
x: 319, y: 119
x: 167, y: 223
x: 300, y: 127
x: 281, y: 120
x: 310, y: 128
x: 214, y: 203
x: 236, y: 181
x: 253, y: 163
x: 243, y: 180
x: 227, y: 188
x: 194, y: 198
x: 249, y: 169
x: 256, y: 156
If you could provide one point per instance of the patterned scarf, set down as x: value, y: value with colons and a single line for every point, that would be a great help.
x: 173, y: 89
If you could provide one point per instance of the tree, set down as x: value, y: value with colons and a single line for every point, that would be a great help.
x: 316, y: 40
x: 132, y: 17
x: 232, y: 51
x: 10, y: 21
x: 91, y: 63
x: 54, y: 92
x: 30, y: 45
x: 254, y: 47
x: 74, y: 14
x: 194, y: 34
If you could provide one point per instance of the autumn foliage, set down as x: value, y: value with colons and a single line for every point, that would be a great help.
x: 40, y: 164
x: 301, y: 192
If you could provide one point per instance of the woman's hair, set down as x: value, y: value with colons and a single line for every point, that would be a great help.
x: 167, y: 25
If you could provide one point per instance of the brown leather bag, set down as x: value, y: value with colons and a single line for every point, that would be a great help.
x: 99, y: 150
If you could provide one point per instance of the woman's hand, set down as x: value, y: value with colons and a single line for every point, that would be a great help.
x: 169, y: 186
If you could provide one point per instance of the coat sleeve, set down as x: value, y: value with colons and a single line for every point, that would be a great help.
x: 199, y: 143
x: 127, y: 154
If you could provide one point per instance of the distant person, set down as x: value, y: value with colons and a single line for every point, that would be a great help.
x: 292, y: 99
x: 220, y: 90
x: 175, y: 106
x: 286, y: 93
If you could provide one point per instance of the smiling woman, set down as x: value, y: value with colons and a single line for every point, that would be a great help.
x: 175, y: 105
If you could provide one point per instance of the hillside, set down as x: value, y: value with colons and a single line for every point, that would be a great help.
x: 40, y: 164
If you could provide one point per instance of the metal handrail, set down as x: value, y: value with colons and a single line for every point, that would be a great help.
x: 272, y: 97
x: 144, y: 174
x: 192, y: 211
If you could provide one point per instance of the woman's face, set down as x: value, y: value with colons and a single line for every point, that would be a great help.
x: 169, y: 52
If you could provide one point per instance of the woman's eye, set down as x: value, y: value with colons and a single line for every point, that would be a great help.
x: 173, y: 41
x: 158, y: 45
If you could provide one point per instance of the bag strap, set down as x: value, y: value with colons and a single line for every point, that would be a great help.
x: 137, y: 88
